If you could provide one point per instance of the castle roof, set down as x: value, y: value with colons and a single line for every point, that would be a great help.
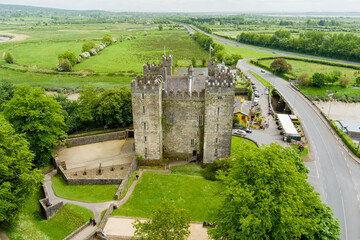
x: 176, y: 83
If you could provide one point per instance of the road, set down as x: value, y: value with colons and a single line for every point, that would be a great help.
x: 333, y: 172
x: 262, y: 49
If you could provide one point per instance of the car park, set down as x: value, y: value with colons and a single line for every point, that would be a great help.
x: 256, y: 100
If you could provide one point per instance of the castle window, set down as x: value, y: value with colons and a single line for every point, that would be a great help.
x: 216, y: 153
x: 146, y: 152
x: 145, y: 138
x: 144, y: 125
x: 219, y: 97
x: 200, y: 120
x: 217, y: 127
x: 216, y: 140
x: 171, y: 118
x: 192, y: 142
x: 143, y: 109
x: 143, y: 96
x: 218, y: 111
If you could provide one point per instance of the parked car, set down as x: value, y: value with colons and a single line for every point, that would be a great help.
x: 256, y: 100
x: 262, y: 70
x: 248, y: 130
x: 252, y: 83
x: 266, y: 92
x: 240, y: 132
x: 256, y: 93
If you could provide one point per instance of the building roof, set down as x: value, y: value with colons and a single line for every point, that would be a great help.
x: 349, y: 126
x: 287, y: 124
x: 181, y: 83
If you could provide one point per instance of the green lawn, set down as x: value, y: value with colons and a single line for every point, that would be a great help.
x: 261, y: 79
x: 128, y: 184
x: 246, y: 53
x: 31, y: 225
x: 238, y: 142
x: 194, y: 193
x: 341, y: 94
x: 304, y: 153
x: 83, y: 193
x: 192, y: 170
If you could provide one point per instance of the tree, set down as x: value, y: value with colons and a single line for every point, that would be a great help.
x: 344, y: 81
x: 108, y: 39
x: 304, y: 79
x: 281, y: 66
x: 87, y: 46
x: 65, y: 65
x: 167, y: 222
x: 69, y: 110
x: 318, y: 80
x: 69, y: 56
x: 18, y: 178
x: 38, y: 117
x: 357, y: 80
x: 6, y: 92
x: 114, y: 107
x: 88, y: 104
x: 193, y: 61
x: 9, y: 58
x: 266, y: 196
x: 333, y: 76
x: 160, y: 27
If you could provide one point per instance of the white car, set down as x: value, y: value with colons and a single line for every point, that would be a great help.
x: 256, y: 100
x: 262, y: 70
x: 240, y: 132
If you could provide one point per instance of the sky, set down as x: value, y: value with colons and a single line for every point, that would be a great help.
x: 198, y: 5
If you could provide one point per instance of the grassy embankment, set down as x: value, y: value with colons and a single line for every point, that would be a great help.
x: 31, y: 225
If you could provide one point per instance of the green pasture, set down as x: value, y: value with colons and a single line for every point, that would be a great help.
x: 238, y: 142
x: 31, y: 224
x: 246, y: 53
x: 193, y: 193
x: 83, y: 193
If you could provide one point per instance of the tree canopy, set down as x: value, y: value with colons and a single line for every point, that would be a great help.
x: 108, y: 39
x: 17, y: 178
x: 267, y: 197
x: 69, y: 56
x: 281, y: 66
x: 167, y: 222
x: 38, y: 117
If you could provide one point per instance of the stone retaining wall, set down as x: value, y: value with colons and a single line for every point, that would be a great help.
x: 130, y: 171
x: 49, y: 208
x: 87, y: 181
x: 78, y: 141
x: 77, y: 231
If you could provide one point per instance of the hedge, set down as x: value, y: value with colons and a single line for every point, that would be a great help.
x: 346, y: 139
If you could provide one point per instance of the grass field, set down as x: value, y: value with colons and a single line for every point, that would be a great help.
x: 191, y: 170
x: 31, y: 225
x: 83, y: 193
x: 246, y: 53
x: 237, y: 144
x: 194, y: 193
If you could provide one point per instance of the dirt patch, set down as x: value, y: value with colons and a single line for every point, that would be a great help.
x: 15, y: 36
x: 340, y: 110
x: 74, y: 96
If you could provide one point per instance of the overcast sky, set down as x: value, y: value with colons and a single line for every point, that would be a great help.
x: 198, y: 5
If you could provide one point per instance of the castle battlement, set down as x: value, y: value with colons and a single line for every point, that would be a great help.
x: 147, y: 81
x: 182, y: 95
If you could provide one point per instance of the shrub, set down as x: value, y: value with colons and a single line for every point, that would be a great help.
x: 344, y: 82
x: 193, y: 61
x: 9, y: 58
x: 333, y: 77
x: 65, y: 64
x: 69, y: 56
x: 86, y: 47
x: 160, y: 27
x: 304, y: 79
x: 357, y: 80
x: 107, y: 39
x: 211, y: 170
x: 318, y: 80
x: 281, y: 66
x: 204, y: 63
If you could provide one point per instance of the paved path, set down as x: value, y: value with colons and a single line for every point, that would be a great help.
x: 3, y: 235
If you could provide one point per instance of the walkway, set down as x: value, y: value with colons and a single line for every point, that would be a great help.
x: 3, y: 236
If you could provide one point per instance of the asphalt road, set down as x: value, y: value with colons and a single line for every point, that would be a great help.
x: 267, y: 50
x: 333, y: 173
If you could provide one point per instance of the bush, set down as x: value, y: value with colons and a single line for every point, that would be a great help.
x: 211, y: 170
x: 357, y: 80
x: 107, y: 39
x: 281, y: 66
x: 318, y: 80
x: 69, y: 56
x: 86, y: 47
x: 193, y: 61
x: 344, y: 82
x: 9, y: 58
x: 65, y: 65
x: 304, y: 79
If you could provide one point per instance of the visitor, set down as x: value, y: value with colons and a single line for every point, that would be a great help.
x: 94, y: 222
x: 91, y: 220
x: 137, y: 176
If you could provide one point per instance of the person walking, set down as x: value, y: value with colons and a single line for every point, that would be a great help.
x: 91, y: 220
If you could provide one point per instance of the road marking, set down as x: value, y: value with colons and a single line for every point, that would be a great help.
x: 342, y: 202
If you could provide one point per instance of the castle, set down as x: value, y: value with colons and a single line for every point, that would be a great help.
x: 182, y: 117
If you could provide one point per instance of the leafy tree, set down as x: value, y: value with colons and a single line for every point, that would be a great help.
x: 333, y: 77
x: 344, y: 81
x: 211, y: 170
x: 281, y: 66
x: 88, y: 104
x: 204, y: 62
x: 38, y: 117
x: 357, y: 80
x: 69, y: 110
x: 108, y: 39
x: 193, y: 61
x: 304, y: 79
x: 266, y: 196
x: 6, y: 92
x: 167, y: 222
x: 9, y: 58
x: 318, y: 80
x: 114, y: 107
x: 160, y: 27
x: 65, y: 65
x: 18, y: 178
x: 235, y: 121
x: 69, y: 56
x: 87, y: 46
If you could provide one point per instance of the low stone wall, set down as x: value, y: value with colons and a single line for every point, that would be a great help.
x: 49, y: 208
x: 130, y: 171
x: 78, y: 141
x: 87, y: 181
x: 100, y: 229
x: 77, y: 231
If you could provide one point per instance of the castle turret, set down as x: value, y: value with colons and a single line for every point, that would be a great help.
x: 212, y: 67
x: 167, y: 62
x: 191, y: 71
